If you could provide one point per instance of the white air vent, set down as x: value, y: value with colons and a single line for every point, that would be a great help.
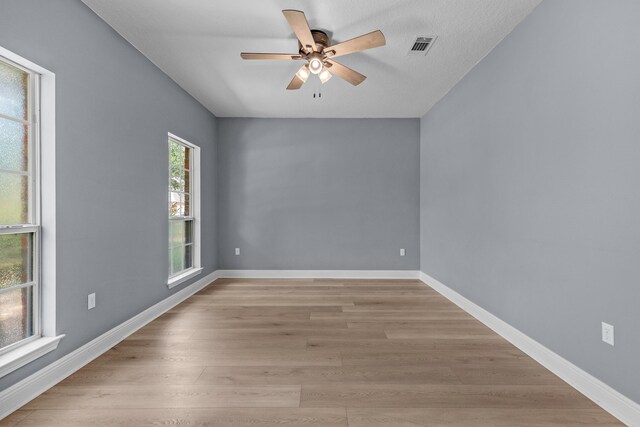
x: 422, y: 45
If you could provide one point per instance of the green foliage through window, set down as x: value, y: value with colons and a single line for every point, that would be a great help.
x: 181, y: 225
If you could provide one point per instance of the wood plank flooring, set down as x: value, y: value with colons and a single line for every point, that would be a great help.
x: 356, y: 353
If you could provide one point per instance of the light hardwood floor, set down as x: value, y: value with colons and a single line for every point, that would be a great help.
x: 358, y: 353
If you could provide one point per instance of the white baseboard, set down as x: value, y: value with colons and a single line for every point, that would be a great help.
x: 24, y: 391
x: 319, y: 274
x: 618, y: 405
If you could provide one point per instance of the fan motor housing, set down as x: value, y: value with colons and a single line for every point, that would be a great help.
x: 320, y: 37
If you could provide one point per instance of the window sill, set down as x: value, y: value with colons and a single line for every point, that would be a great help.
x: 175, y: 281
x: 27, y: 353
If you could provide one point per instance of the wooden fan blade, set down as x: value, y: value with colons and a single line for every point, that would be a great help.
x: 280, y: 56
x: 296, y: 83
x: 298, y: 23
x: 345, y: 73
x: 364, y: 42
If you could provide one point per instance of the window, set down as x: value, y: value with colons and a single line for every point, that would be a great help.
x: 27, y: 207
x: 184, y: 227
x: 19, y: 207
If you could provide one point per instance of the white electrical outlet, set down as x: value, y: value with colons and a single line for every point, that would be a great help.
x: 607, y: 333
x: 91, y: 301
x: 237, y: 251
x: 401, y: 252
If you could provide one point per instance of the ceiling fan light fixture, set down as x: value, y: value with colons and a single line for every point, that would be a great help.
x: 315, y: 65
x: 324, y: 76
x: 303, y: 73
x: 318, y: 53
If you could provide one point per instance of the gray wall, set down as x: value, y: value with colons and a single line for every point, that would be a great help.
x: 113, y: 111
x: 318, y: 193
x: 530, y: 195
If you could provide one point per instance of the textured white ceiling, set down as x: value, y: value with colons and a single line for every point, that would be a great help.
x: 198, y: 44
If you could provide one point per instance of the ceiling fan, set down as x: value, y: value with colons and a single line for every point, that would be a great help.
x: 314, y: 47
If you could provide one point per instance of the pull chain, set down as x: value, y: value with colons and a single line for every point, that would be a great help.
x: 317, y: 91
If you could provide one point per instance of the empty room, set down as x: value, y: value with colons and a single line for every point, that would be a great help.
x: 355, y: 213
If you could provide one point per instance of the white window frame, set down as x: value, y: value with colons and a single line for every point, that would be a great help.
x: 194, y: 181
x: 43, y: 210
